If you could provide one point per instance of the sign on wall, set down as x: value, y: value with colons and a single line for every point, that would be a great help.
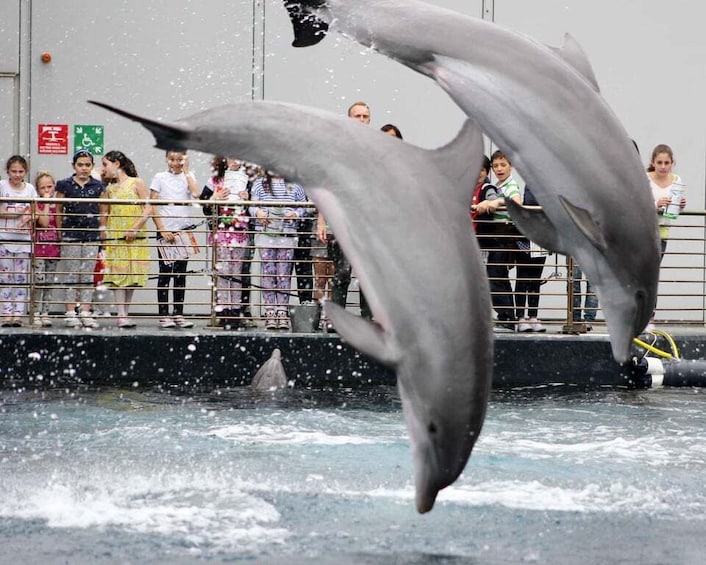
x: 89, y: 138
x: 52, y: 139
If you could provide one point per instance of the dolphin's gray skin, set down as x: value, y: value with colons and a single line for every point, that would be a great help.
x: 542, y: 107
x: 271, y: 375
x: 401, y: 216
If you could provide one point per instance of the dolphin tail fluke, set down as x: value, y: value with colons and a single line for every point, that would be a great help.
x: 167, y: 136
x: 462, y: 158
x: 367, y: 337
x: 534, y: 224
x: 308, y: 29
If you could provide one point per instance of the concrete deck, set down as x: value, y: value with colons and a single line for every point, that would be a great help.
x: 204, y: 358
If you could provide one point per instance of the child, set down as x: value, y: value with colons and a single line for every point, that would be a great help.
x: 78, y: 225
x: 230, y: 236
x: 502, y: 257
x: 276, y: 231
x: 46, y: 250
x: 123, y: 231
x: 15, y: 242
x: 176, y: 183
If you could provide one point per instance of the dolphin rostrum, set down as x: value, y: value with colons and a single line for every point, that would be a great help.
x: 400, y: 214
x: 271, y: 375
x: 542, y: 107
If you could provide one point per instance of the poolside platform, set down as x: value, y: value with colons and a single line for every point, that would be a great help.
x: 206, y: 359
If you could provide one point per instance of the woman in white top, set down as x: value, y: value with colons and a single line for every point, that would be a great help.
x: 662, y: 182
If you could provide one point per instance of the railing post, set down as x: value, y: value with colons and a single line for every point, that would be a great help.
x: 571, y: 327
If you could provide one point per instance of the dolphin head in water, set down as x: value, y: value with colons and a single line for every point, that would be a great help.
x: 402, y: 221
x: 542, y: 107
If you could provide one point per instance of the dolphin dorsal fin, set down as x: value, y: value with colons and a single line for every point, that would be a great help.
x: 584, y: 222
x: 461, y: 158
x: 575, y: 56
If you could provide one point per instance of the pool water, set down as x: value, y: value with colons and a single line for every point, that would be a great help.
x: 326, y: 477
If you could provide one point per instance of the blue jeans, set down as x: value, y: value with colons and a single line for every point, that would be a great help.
x: 590, y: 302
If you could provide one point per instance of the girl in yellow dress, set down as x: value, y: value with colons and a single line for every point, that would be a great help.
x: 123, y: 232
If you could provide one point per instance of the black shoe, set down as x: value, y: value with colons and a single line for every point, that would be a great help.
x: 222, y: 318
x: 504, y: 327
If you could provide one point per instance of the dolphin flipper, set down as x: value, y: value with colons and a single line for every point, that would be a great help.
x: 584, y: 222
x: 362, y: 334
x: 168, y: 136
x: 534, y: 224
x: 308, y: 29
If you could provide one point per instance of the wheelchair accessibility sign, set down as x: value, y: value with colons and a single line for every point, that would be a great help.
x: 89, y: 138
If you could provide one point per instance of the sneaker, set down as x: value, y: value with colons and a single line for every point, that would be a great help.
x: 525, y: 326
x: 71, y: 320
x: 183, y: 322
x: 504, y: 327
x: 17, y: 322
x: 282, y: 320
x: 126, y: 323
x: 270, y: 320
x: 7, y: 322
x: 37, y: 321
x: 166, y: 323
x: 589, y: 326
x: 46, y: 320
x: 535, y: 325
x: 87, y: 320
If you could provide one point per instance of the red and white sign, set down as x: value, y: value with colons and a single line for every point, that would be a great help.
x: 53, y: 139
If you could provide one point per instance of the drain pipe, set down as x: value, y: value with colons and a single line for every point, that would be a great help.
x: 670, y: 372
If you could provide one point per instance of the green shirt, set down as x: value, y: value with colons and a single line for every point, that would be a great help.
x: 507, y: 190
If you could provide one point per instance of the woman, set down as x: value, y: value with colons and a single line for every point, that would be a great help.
x: 276, y: 233
x: 123, y: 232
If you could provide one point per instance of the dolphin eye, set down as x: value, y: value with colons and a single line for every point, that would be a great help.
x: 431, y: 428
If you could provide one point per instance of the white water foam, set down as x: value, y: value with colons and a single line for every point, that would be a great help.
x: 201, y: 511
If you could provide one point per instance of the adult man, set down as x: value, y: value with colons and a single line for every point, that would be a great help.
x: 342, y: 268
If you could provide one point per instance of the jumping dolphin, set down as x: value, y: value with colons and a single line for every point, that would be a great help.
x: 271, y: 375
x: 542, y: 107
x: 400, y: 214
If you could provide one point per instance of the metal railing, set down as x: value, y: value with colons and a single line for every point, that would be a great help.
x: 681, y: 293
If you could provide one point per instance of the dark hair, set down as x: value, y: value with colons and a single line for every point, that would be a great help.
x: 267, y: 183
x: 661, y: 148
x: 497, y: 154
x: 16, y: 159
x: 125, y: 163
x: 219, y: 164
x: 392, y: 127
x: 485, y: 164
x: 82, y: 153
